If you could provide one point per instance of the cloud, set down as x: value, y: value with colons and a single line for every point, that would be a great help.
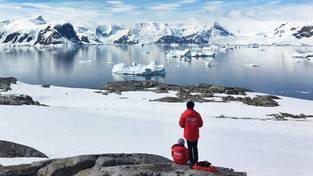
x: 237, y: 15
x: 172, y: 6
x: 188, y: 1
x: 168, y: 6
x: 114, y: 2
x: 120, y: 6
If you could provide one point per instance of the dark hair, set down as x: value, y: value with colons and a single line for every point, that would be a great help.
x: 190, y: 104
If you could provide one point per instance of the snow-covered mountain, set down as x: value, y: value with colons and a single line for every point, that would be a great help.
x: 36, y: 31
x: 292, y: 33
x: 199, y: 36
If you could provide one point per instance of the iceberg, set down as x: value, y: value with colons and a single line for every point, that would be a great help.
x: 212, y: 48
x: 139, y: 69
x: 180, y: 53
x: 210, y: 63
x: 203, y: 54
x: 251, y: 65
x: 85, y: 61
x: 302, y: 54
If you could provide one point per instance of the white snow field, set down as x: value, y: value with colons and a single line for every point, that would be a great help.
x: 79, y: 121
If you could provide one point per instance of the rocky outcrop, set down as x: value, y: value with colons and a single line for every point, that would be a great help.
x: 57, y: 34
x: 11, y: 149
x: 121, y: 86
x: 17, y: 100
x: 259, y: 100
x: 5, y: 83
x: 109, y: 164
x: 285, y: 116
x: 305, y: 31
x: 199, y: 93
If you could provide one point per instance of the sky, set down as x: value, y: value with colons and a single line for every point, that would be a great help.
x: 246, y: 16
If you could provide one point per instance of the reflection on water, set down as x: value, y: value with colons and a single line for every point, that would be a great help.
x: 90, y: 67
x: 121, y: 77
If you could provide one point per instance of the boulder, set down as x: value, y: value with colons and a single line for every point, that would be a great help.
x: 5, y: 83
x: 110, y: 164
x: 265, y: 101
x: 11, y: 149
x: 17, y: 100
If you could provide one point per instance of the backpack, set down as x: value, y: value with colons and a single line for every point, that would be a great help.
x: 205, y: 166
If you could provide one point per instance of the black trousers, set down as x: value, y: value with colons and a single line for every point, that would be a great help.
x: 193, y: 151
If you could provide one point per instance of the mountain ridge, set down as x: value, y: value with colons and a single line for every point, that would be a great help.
x: 36, y: 31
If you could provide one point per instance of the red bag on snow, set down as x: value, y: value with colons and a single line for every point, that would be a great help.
x: 205, y: 166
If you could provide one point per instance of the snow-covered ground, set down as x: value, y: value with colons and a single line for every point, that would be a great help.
x: 79, y: 121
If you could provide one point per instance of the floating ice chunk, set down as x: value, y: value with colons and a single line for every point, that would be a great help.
x: 138, y: 69
x: 214, y: 48
x: 203, y: 54
x: 251, y: 65
x: 210, y: 62
x: 180, y: 53
x: 302, y: 54
x: 110, y: 62
x: 174, y: 44
x: 85, y: 61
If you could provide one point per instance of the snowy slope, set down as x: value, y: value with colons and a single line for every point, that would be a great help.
x: 35, y: 31
x: 79, y: 121
x: 292, y: 34
x: 199, y: 35
x: 104, y: 34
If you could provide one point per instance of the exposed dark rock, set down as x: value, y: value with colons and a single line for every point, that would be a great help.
x: 110, y: 165
x: 102, y: 92
x: 305, y: 31
x: 198, y: 93
x: 68, y: 32
x: 56, y: 34
x: 145, y: 85
x: 22, y: 38
x: 159, y: 89
x: 266, y: 101
x: 285, y: 116
x: 17, y: 100
x: 125, y: 40
x: 5, y: 83
x: 200, y: 37
x: 85, y: 39
x: 29, y: 39
x: 45, y: 85
x: 68, y: 166
x: 169, y: 99
x: 11, y: 37
x: 167, y: 39
x: 11, y: 149
x: 119, y: 86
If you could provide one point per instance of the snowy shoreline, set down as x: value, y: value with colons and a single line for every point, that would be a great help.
x: 80, y: 121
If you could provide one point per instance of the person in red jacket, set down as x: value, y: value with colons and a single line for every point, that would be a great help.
x: 180, y: 152
x: 191, y: 121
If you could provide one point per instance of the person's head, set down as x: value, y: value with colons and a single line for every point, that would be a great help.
x: 190, y: 104
x: 181, y: 141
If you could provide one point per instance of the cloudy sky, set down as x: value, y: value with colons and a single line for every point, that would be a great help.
x: 240, y: 16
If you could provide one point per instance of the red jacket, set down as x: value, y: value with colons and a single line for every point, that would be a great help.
x: 180, y: 154
x: 191, y: 121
